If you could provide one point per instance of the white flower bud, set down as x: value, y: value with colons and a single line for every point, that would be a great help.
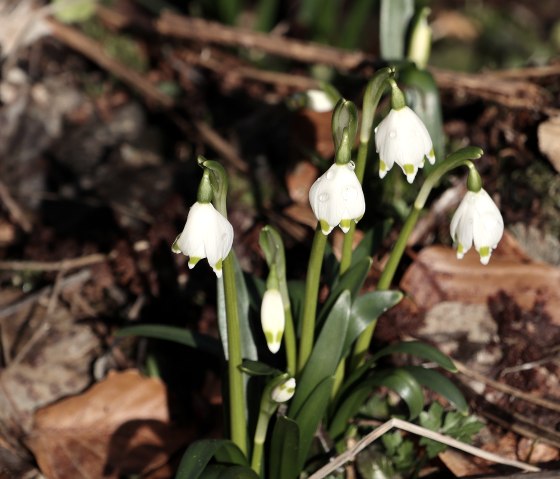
x: 337, y: 198
x: 284, y: 392
x: 318, y: 101
x: 477, y: 220
x: 273, y: 320
x: 403, y: 139
x: 207, y: 234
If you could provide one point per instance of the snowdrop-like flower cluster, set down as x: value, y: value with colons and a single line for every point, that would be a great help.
x: 207, y: 234
x: 403, y: 139
x: 337, y: 198
x: 273, y: 320
x: 477, y: 220
x: 284, y: 392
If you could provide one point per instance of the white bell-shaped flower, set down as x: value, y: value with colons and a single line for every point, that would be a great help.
x: 477, y: 220
x: 403, y: 139
x: 284, y: 392
x: 337, y: 198
x: 207, y: 234
x: 273, y: 320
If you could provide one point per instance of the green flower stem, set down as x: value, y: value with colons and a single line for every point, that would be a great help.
x: 459, y: 158
x: 237, y: 419
x: 311, y: 296
x: 290, y: 340
x: 259, y: 439
x: 346, y: 259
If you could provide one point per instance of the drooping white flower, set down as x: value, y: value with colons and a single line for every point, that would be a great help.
x: 207, y: 234
x: 337, y: 198
x: 477, y: 220
x: 284, y: 392
x: 273, y: 320
x: 403, y: 139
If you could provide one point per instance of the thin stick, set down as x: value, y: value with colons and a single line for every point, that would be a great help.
x: 553, y: 406
x: 65, y: 264
x: 420, y: 431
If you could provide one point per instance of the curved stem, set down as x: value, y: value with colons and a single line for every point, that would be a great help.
x: 346, y: 259
x: 311, y: 296
x: 461, y: 157
x: 237, y: 419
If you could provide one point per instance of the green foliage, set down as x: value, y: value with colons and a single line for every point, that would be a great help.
x: 401, y: 452
x: 200, y: 453
x: 393, y: 24
x: 192, y: 339
x: 284, y: 450
x: 451, y: 423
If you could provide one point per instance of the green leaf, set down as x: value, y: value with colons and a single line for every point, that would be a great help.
x: 248, y: 345
x: 398, y: 380
x: 172, y: 333
x: 394, y: 19
x: 423, y: 96
x: 352, y: 280
x: 257, y: 368
x: 296, y: 290
x: 309, y: 416
x: 284, y: 450
x: 199, y: 454
x: 365, y: 310
x: 404, y: 384
x: 440, y: 384
x: 420, y: 350
x: 326, y: 353
x: 239, y: 472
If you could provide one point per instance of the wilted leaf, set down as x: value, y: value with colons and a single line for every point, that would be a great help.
x: 120, y: 426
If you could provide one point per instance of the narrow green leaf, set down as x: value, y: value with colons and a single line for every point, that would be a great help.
x: 296, y: 290
x: 258, y: 368
x: 284, y: 450
x: 178, y: 335
x: 404, y: 384
x: 326, y: 353
x: 420, y: 350
x: 310, y: 415
x: 213, y: 471
x: 352, y: 280
x: 365, y: 310
x: 239, y: 472
x: 199, y: 454
x: 398, y: 380
x: 394, y: 19
x: 248, y: 345
x: 440, y: 384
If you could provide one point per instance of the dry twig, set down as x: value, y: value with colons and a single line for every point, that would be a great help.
x: 350, y: 454
x: 65, y: 264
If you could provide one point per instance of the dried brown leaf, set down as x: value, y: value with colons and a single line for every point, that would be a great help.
x: 120, y: 426
x: 437, y: 276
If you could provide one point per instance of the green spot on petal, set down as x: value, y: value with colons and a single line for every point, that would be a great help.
x: 345, y: 225
x: 193, y: 260
x: 460, y: 249
x: 218, y: 265
x: 278, y: 337
x: 269, y: 337
x: 325, y: 227
x: 484, y: 251
x: 382, y: 166
x: 408, y: 169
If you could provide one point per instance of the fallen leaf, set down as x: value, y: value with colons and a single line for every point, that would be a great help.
x: 120, y: 426
x: 549, y: 140
x: 436, y: 276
